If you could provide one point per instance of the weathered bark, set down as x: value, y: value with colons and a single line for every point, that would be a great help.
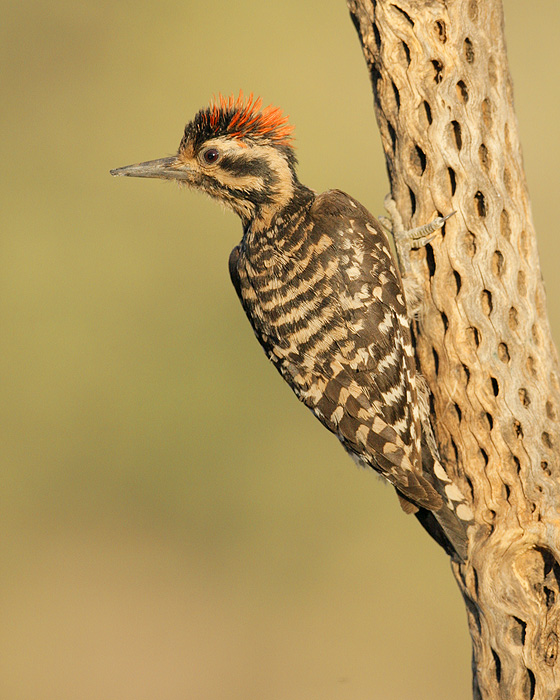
x: 443, y: 100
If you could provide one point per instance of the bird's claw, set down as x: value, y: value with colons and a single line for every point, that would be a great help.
x: 419, y: 237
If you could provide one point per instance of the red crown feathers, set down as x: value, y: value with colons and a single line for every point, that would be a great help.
x: 239, y: 118
x: 250, y: 120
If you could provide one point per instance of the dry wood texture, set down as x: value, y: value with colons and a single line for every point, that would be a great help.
x: 444, y: 104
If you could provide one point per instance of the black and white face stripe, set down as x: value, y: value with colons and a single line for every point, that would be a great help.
x: 241, y: 165
x: 254, y: 179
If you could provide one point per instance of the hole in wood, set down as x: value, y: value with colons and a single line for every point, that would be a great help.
x: 480, y: 203
x: 452, y: 180
x: 524, y: 397
x: 531, y: 367
x: 376, y: 79
x: 517, y: 429
x: 458, y: 282
x: 430, y: 260
x: 495, y: 386
x: 468, y: 50
x: 484, y: 456
x: 513, y: 319
x: 436, y: 361
x: 404, y: 14
x: 503, y: 352
x: 412, y: 202
x: 518, y: 631
x: 418, y: 160
x: 498, y: 263
x: 441, y: 31
x: 470, y: 485
x: 550, y: 596
x: 546, y: 469
x: 551, y: 568
x: 467, y: 372
x: 473, y: 335
x: 445, y: 322
x: 497, y: 666
x: 475, y: 582
x: 505, y: 226
x: 470, y: 243
x: 551, y: 649
x: 432, y: 404
x: 489, y: 420
x: 456, y: 127
x: 486, y: 301
x: 531, y: 684
x: 547, y: 440
x: 487, y: 113
x: 376, y: 35
x: 517, y: 463
x: 462, y: 92
x: 406, y: 51
x: 428, y: 111
x: 455, y: 451
x: 438, y: 70
x: 508, y: 491
x: 484, y: 156
x: 397, y: 96
x: 531, y: 677
x: 458, y: 411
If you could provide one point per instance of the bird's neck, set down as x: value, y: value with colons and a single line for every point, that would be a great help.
x: 273, y: 222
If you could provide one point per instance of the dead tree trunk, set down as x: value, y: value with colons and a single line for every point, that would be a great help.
x: 443, y: 101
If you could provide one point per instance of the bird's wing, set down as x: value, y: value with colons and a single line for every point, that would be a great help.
x: 332, y: 319
x: 362, y: 385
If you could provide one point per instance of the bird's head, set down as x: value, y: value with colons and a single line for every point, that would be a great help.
x: 237, y: 152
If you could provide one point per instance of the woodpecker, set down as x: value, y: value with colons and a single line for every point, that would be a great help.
x: 318, y: 282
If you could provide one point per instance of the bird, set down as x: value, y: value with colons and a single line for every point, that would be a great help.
x: 317, y: 279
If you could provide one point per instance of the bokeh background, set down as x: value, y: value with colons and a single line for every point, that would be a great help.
x: 174, y: 525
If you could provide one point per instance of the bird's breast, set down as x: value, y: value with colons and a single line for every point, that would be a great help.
x: 291, y: 299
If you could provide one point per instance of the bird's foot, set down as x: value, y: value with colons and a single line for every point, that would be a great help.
x: 407, y: 240
x: 419, y: 237
x: 411, y: 239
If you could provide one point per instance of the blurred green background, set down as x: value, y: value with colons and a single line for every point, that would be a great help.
x: 173, y: 523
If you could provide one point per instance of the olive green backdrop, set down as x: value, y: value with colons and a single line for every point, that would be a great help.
x: 174, y: 525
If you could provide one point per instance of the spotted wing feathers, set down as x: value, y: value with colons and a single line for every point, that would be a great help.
x: 326, y: 304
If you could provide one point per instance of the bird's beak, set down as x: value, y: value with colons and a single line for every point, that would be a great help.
x: 165, y: 168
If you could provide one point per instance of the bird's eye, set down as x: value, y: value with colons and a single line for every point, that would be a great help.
x: 211, y: 155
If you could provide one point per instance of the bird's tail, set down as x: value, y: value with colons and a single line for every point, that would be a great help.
x: 455, y: 515
x: 444, y: 525
x: 447, y: 530
x: 453, y: 519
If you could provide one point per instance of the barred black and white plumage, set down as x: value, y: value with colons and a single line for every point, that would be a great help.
x: 318, y: 282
